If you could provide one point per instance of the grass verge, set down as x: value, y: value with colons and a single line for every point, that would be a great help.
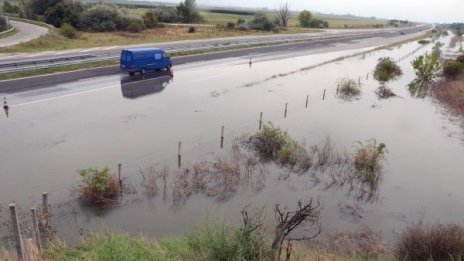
x: 11, y: 33
x: 57, y: 69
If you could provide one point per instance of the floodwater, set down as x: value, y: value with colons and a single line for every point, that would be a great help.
x: 50, y: 133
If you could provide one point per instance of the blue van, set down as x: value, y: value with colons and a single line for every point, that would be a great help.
x: 144, y: 59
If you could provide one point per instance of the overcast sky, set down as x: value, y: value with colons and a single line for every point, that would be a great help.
x: 415, y: 10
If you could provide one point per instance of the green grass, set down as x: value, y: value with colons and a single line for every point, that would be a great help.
x: 57, y: 69
x: 8, y: 34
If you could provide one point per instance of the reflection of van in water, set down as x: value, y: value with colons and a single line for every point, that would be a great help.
x: 144, y: 59
x: 138, y: 86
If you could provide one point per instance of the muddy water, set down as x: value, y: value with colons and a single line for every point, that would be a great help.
x: 49, y: 134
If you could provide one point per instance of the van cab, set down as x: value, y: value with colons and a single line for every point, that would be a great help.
x: 144, y: 59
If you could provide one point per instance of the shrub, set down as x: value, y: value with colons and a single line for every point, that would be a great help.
x: 386, y: 70
x: 348, y: 88
x: 423, y: 41
x: 230, y: 25
x: 427, y: 67
x: 368, y: 160
x: 65, y: 11
x: 68, y: 31
x: 188, y: 12
x: 98, y: 187
x: 436, y: 242
x: 460, y: 58
x: 149, y: 19
x: 261, y: 22
x: 11, y: 8
x: 453, y: 69
x: 192, y: 29
x: 101, y: 18
x: 383, y: 92
x: 272, y: 143
x: 135, y: 26
x: 166, y: 15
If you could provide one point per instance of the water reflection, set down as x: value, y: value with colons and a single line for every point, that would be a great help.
x: 418, y: 89
x: 133, y: 87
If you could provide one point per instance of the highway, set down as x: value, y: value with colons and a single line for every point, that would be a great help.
x: 27, y: 61
x: 294, y: 48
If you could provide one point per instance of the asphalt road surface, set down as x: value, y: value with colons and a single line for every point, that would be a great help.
x: 330, y: 45
x: 26, y: 32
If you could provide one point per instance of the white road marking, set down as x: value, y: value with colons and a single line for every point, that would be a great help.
x: 62, y: 96
x: 66, y: 52
x: 91, y: 49
x: 112, y: 47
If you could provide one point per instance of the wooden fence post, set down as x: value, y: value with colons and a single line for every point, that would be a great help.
x: 222, y: 137
x: 16, y: 231
x: 35, y: 229
x: 260, y: 120
x: 179, y: 157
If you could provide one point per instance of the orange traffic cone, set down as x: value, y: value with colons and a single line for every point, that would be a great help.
x: 5, y: 103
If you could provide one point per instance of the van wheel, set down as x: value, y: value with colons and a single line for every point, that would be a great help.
x: 168, y: 68
x: 131, y: 74
x: 142, y: 72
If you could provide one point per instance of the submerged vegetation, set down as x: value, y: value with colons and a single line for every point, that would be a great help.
x: 368, y: 160
x: 348, y: 89
x: 427, y: 68
x: 272, y: 143
x: 387, y: 70
x: 98, y: 187
x: 450, y: 90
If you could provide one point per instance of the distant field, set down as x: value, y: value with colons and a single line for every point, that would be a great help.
x: 215, y: 18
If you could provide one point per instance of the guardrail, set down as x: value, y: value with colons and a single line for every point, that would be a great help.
x: 85, y: 58
x: 8, y: 30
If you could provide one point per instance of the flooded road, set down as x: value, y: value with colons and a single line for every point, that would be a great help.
x: 50, y: 133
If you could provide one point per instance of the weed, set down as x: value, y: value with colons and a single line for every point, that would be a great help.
x: 272, y: 143
x: 98, y: 187
x: 386, y: 70
x: 452, y: 69
x: 423, y: 41
x: 427, y: 67
x: 436, y: 242
x: 383, y: 92
x: 450, y: 91
x: 368, y: 160
x: 364, y: 243
x: 348, y: 89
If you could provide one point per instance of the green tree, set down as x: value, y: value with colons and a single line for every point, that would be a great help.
x: 261, y: 22
x: 305, y: 18
x: 188, y: 11
x: 10, y: 8
x: 427, y: 67
x: 66, y: 11
x: 149, y: 19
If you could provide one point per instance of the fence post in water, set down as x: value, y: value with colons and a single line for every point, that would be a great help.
x: 35, y: 229
x: 16, y: 231
x: 119, y: 175
x: 285, y: 114
x: 45, y: 202
x: 179, y: 157
x: 222, y: 137
x: 367, y: 76
x: 307, y: 99
x: 323, y: 95
x: 260, y: 120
